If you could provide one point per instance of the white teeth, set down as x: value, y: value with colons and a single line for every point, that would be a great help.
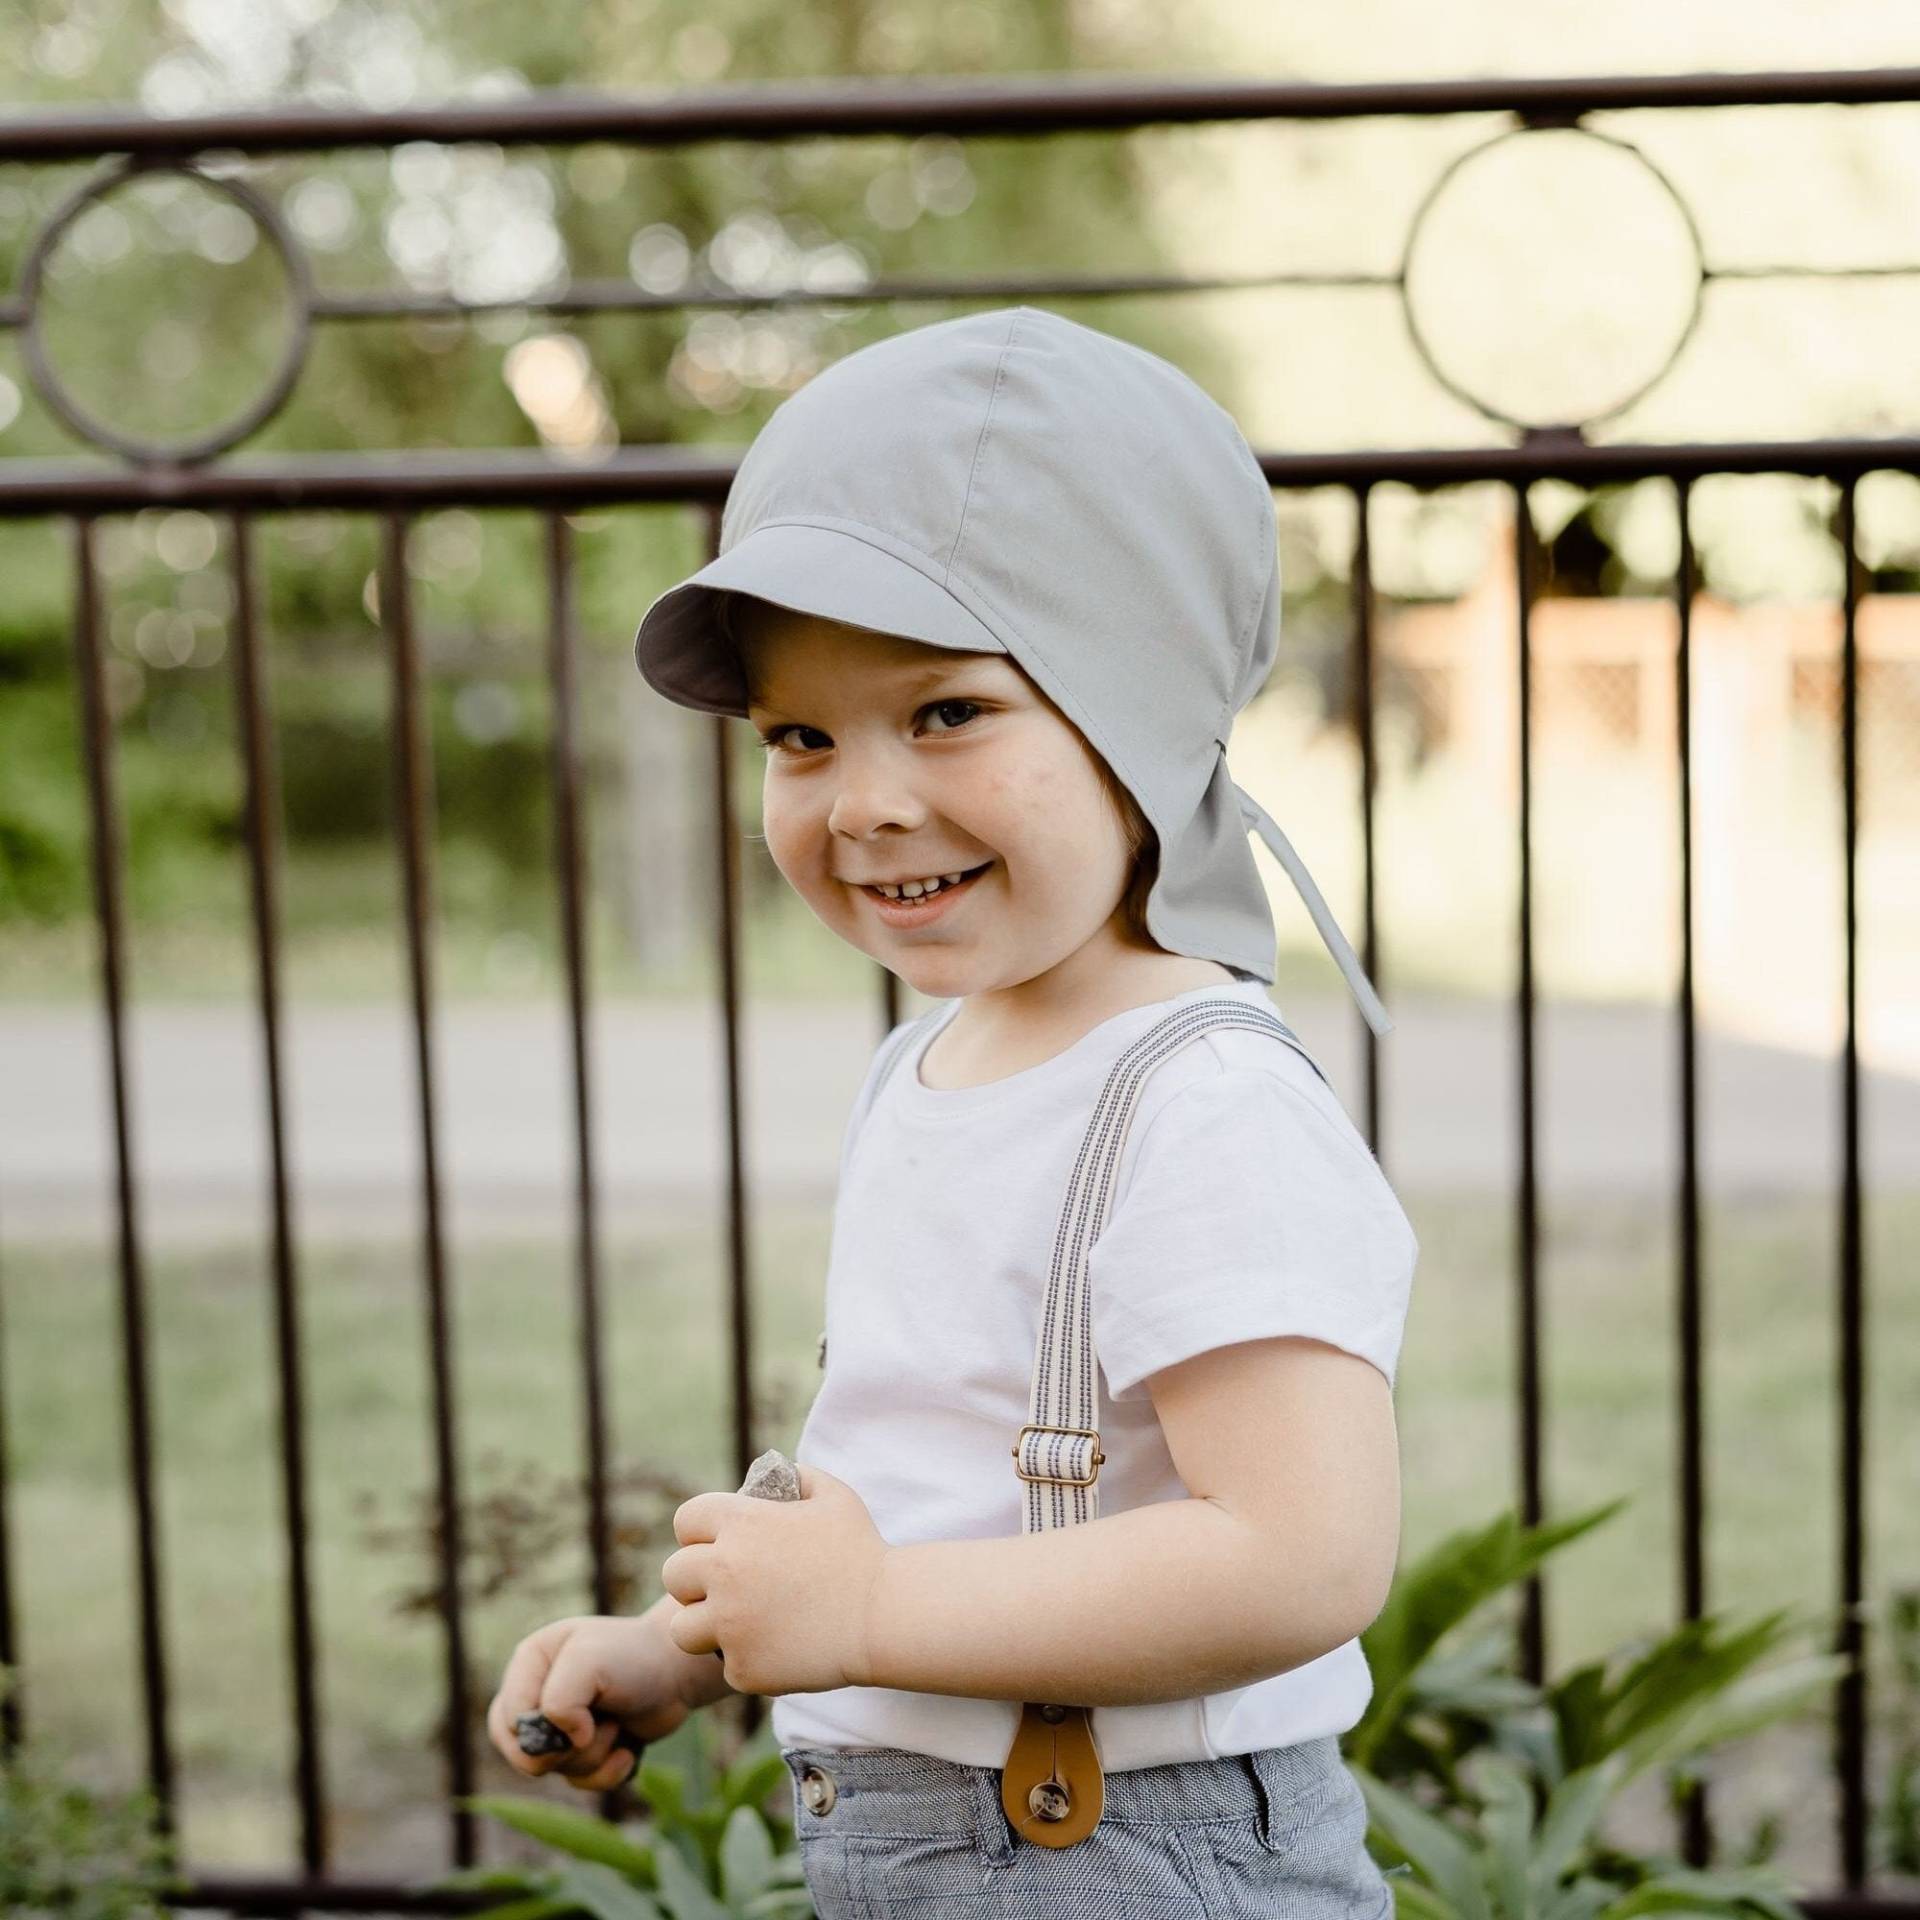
x: 915, y: 889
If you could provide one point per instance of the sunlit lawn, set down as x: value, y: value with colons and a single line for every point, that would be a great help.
x: 1608, y: 1281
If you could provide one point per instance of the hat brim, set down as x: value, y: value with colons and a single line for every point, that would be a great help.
x: 684, y: 652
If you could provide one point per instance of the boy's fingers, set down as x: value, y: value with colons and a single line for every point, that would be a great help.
x: 612, y: 1770
x: 529, y: 1673
x: 590, y: 1757
x: 528, y: 1666
x: 505, y: 1735
x: 567, y: 1693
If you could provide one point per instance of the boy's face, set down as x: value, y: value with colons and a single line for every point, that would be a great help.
x: 894, y: 760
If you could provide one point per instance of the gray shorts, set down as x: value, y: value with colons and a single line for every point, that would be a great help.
x: 1278, y: 1832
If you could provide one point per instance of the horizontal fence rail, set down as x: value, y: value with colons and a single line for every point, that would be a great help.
x: 1028, y: 104
x: 419, y: 482
x: 399, y: 485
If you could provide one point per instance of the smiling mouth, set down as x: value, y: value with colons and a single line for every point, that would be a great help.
x: 900, y: 907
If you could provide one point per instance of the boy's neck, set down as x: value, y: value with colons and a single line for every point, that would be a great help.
x: 977, y: 1046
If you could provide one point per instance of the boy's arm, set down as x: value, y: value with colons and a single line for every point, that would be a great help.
x: 1285, y: 1551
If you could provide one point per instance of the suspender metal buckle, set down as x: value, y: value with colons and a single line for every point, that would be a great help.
x: 1059, y: 1479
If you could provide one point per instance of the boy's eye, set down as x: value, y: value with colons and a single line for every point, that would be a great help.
x: 771, y: 740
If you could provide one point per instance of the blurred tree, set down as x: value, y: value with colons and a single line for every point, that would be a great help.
x: 171, y: 308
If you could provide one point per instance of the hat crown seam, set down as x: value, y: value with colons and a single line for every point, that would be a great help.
x: 980, y: 445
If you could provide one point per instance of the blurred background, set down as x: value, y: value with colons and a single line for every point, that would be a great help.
x: 1411, y: 281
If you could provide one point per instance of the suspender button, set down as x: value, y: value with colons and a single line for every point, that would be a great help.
x: 1049, y: 1801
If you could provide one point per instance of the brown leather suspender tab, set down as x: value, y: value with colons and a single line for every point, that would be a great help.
x: 1052, y: 1788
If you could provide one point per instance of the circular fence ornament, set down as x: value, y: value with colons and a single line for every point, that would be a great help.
x: 87, y: 232
x: 1551, y: 277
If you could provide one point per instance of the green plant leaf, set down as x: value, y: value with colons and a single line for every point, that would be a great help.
x: 605, y: 1894
x: 665, y: 1789
x: 1433, y: 1847
x: 1753, y: 1701
x: 681, y: 1892
x: 1684, y: 1889
x: 1573, y: 1808
x: 1534, y: 1741
x: 1579, y: 1707
x: 1474, y: 1682
x: 780, y: 1903
x: 583, y: 1836
x: 1440, y: 1589
x: 788, y: 1868
x: 1582, y: 1900
x: 1695, y: 1661
x: 750, y: 1784
x: 746, y: 1855
x: 1416, y: 1900
x: 1507, y: 1822
x: 542, y: 1907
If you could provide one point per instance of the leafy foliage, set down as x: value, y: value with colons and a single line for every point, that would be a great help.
x: 707, y: 1851
x: 1899, y: 1822
x: 1488, y: 1794
x: 66, y: 1849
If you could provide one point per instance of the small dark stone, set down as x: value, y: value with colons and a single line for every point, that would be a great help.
x: 539, y: 1735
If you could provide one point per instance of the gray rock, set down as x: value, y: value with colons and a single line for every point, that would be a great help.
x: 538, y: 1735
x: 772, y: 1477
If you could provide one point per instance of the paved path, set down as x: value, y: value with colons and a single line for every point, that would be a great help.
x: 1607, y: 1095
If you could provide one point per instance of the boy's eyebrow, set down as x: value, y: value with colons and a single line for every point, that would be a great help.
x: 927, y: 676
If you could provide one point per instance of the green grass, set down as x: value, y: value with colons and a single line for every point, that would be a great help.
x: 1608, y: 1283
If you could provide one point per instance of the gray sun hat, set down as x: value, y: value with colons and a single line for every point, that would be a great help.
x: 1014, y: 482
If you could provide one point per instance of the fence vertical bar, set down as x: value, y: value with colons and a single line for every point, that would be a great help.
x: 1363, y: 614
x: 256, y: 738
x: 1533, y: 1648
x: 1851, y: 1703
x: 104, y: 826
x: 1696, y: 1831
x: 412, y: 767
x: 570, y: 860
x: 727, y: 937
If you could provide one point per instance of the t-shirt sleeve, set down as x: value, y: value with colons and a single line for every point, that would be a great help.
x: 1251, y: 1212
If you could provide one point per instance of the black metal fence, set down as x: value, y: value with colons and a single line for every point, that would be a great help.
x: 72, y: 497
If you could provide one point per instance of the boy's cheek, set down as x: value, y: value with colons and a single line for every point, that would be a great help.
x: 786, y: 847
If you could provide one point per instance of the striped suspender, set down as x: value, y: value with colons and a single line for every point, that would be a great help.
x: 1052, y: 1783
x: 1058, y: 1453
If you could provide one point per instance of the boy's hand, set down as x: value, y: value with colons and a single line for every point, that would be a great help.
x: 595, y: 1676
x: 780, y: 1589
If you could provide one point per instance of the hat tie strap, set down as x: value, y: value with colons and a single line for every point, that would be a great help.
x: 1257, y: 817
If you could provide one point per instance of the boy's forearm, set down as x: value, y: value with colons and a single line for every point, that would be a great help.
x: 1162, y: 1602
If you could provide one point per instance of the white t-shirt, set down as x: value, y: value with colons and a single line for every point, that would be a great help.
x: 1246, y: 1205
